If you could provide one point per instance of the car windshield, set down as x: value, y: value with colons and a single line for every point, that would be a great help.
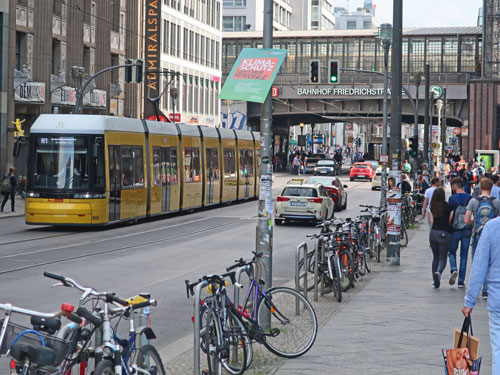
x: 299, y: 192
x: 360, y: 166
x: 326, y: 162
x: 323, y: 181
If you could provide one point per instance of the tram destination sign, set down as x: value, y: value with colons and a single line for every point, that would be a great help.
x: 253, y: 74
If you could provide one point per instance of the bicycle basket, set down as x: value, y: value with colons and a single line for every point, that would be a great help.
x: 13, y: 331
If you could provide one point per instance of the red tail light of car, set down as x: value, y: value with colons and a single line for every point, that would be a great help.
x: 315, y: 200
x: 282, y: 199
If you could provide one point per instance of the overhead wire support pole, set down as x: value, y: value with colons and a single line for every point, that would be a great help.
x: 264, y: 230
x: 394, y: 246
x: 426, y: 116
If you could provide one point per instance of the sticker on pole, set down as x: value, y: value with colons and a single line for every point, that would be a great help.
x: 384, y: 158
x: 253, y: 74
x: 394, y: 203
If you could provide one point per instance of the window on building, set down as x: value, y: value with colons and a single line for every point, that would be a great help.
x: 166, y: 27
x: 207, y: 52
x: 212, y: 52
x: 115, y: 15
x: 186, y: 33
x: 57, y: 7
x: 115, y: 72
x: 367, y: 24
x: 172, y: 39
x: 56, y: 56
x: 233, y: 23
x: 218, y: 16
x: 178, y: 41
x: 202, y: 52
x: 217, y: 56
x: 92, y: 13
x: 351, y: 25
x: 20, y: 42
x: 189, y: 95
x: 191, y: 45
x: 237, y: 3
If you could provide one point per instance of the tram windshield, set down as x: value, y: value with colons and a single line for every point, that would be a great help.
x: 61, y: 163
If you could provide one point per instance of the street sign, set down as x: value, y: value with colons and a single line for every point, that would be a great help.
x: 437, y: 90
x: 275, y: 91
x: 434, y: 145
x: 457, y: 131
x: 265, y: 160
x: 384, y: 158
x: 177, y: 117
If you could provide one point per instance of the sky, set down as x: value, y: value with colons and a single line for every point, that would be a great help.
x: 424, y: 13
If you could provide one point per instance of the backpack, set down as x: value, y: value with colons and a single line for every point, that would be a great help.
x: 459, y: 216
x: 5, y: 187
x: 485, y: 212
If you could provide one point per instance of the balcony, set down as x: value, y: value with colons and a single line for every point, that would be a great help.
x: 24, y: 16
x: 88, y: 34
x: 117, y: 42
x: 58, y: 25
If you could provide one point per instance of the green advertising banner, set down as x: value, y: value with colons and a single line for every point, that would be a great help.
x: 253, y: 74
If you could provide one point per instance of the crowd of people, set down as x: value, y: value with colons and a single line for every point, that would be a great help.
x: 468, y: 218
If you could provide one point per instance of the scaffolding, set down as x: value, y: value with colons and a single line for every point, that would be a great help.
x: 491, y: 39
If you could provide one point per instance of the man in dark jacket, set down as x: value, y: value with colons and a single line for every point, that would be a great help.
x: 13, y: 183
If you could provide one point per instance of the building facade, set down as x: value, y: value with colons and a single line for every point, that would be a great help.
x: 54, y: 47
x: 362, y: 18
x: 191, y: 50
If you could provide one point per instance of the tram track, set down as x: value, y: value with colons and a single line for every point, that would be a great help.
x: 112, y: 250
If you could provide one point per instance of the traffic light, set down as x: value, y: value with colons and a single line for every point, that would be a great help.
x: 128, y: 71
x: 358, y: 142
x: 314, y: 76
x: 333, y: 71
x: 413, y: 146
x: 134, y: 72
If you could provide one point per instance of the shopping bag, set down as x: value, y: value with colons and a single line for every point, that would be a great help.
x: 460, y: 360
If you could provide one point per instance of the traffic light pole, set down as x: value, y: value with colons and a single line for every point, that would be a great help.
x: 394, y: 209
x: 264, y: 231
x: 82, y: 90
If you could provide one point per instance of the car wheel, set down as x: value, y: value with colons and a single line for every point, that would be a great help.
x: 278, y: 221
x: 345, y: 204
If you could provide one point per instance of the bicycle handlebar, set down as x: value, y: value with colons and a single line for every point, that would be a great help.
x: 210, y: 278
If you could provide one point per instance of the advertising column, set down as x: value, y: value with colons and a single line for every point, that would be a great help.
x: 394, y: 205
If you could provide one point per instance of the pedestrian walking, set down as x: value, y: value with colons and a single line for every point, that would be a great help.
x: 461, y: 232
x: 441, y: 216
x: 296, y: 165
x: 426, y: 207
x: 480, y: 210
x: 407, y: 167
x: 304, y: 165
x: 495, y: 190
x: 486, y: 267
x: 8, y: 189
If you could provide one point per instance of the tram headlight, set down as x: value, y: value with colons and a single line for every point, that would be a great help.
x: 33, y: 195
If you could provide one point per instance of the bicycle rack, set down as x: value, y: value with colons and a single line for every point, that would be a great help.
x: 301, y: 247
x: 316, y: 264
x: 197, y: 294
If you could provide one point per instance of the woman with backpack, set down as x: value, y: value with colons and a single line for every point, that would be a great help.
x: 441, y: 217
x: 8, y: 189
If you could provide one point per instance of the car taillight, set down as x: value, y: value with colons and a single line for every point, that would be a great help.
x: 315, y: 200
x: 282, y: 199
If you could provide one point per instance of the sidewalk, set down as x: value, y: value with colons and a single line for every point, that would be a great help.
x: 19, y: 207
x: 397, y: 324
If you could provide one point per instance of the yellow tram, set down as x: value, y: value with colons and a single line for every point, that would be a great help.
x: 98, y: 170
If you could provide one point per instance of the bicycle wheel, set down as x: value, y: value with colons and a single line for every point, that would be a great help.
x: 240, y: 354
x: 212, y: 342
x: 367, y: 260
x: 346, y: 270
x: 336, y: 285
x: 310, y: 272
x: 360, y: 265
x: 105, y: 367
x: 147, y: 361
x: 289, y: 335
x: 403, y: 240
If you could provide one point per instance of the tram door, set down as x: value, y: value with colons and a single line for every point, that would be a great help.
x: 166, y: 179
x: 115, y: 183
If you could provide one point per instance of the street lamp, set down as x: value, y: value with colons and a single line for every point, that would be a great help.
x: 301, y: 135
x: 416, y: 80
x: 385, y: 35
x: 174, y: 92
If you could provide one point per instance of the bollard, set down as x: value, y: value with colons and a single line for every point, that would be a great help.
x: 197, y: 294
x: 323, y: 261
x: 236, y: 299
x: 316, y: 264
x: 144, y: 316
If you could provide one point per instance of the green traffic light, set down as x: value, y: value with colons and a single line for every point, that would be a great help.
x: 333, y: 79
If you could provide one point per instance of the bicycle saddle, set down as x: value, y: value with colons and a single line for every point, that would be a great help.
x: 39, y: 355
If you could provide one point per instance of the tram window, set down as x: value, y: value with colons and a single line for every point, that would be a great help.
x: 173, y: 167
x: 229, y: 164
x: 192, y: 164
x: 212, y: 157
x: 99, y: 169
x: 138, y: 168
x: 246, y: 162
x: 156, y: 166
x: 132, y: 167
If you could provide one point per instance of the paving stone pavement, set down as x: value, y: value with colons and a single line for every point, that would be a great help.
x: 397, y: 324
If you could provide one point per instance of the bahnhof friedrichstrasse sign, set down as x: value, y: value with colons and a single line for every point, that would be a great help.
x: 339, y: 91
